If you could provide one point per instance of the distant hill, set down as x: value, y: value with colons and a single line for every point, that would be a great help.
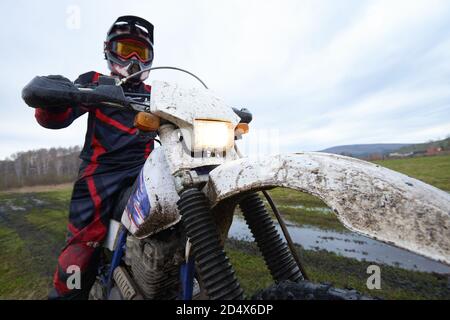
x: 364, y: 150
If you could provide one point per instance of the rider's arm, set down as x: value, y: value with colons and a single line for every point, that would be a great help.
x: 58, y: 118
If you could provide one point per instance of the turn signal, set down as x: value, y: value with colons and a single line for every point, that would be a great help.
x: 146, y: 122
x: 241, y: 128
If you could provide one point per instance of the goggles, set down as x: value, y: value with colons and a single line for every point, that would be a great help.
x: 126, y: 48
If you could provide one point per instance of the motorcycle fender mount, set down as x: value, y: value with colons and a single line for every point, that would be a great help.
x: 187, y: 179
x: 367, y: 198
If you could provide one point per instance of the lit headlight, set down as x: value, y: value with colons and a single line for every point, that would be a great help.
x: 213, y: 135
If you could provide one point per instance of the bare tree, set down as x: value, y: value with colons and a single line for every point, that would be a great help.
x: 40, y: 167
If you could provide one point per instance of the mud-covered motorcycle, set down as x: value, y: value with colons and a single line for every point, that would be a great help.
x: 167, y: 234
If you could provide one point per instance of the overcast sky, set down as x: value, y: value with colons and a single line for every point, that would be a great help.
x: 317, y: 73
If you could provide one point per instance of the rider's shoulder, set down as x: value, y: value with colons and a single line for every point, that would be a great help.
x: 88, y: 77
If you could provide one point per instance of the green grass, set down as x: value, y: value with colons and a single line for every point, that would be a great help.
x: 28, y: 257
x: 325, y: 221
x: 291, y: 197
x: 250, y: 269
x: 18, y: 280
x: 50, y: 221
x: 303, y: 209
x: 60, y: 197
x: 432, y: 170
x: 30, y: 241
x: 341, y: 272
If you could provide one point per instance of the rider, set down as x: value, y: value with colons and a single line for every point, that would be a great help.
x: 112, y: 156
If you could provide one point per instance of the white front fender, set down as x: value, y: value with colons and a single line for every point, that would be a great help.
x: 367, y: 198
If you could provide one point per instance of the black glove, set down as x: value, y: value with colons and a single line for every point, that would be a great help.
x: 54, y: 92
x: 58, y: 92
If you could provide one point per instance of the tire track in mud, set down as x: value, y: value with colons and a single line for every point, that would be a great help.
x: 41, y: 245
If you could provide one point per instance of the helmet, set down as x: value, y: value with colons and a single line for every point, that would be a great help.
x: 129, y: 47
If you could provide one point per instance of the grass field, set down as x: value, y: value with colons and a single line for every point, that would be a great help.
x: 33, y: 229
x: 304, y: 209
x: 32, y: 232
x: 325, y: 267
x: 432, y: 170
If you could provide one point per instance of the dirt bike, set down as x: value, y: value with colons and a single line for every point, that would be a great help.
x: 166, y: 238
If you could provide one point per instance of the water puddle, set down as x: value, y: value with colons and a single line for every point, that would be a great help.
x: 348, y: 245
x: 312, y: 209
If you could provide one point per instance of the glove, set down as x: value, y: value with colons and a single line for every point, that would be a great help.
x: 51, y: 92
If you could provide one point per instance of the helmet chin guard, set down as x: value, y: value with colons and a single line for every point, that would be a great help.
x: 130, y: 67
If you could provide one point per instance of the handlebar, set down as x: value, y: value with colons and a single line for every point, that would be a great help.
x: 57, y: 91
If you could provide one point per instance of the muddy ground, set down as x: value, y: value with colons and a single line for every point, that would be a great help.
x: 33, y: 230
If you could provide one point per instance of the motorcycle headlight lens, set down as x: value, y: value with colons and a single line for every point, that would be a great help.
x: 213, y: 135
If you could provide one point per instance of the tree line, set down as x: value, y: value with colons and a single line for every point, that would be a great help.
x: 40, y: 167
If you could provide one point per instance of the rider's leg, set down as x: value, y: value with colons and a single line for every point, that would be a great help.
x: 92, y: 199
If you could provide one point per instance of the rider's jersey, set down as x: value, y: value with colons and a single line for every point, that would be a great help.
x: 110, y: 137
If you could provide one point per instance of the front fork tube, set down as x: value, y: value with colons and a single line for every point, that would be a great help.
x: 117, y: 257
x: 187, y: 270
x: 279, y: 259
x: 213, y: 266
